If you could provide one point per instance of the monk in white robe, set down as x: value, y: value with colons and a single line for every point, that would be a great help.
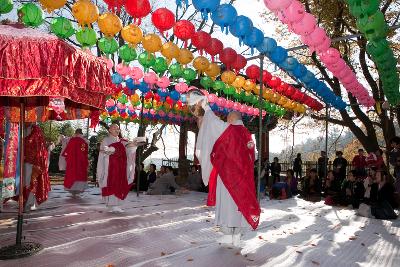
x: 116, y: 167
x: 229, y: 211
x: 62, y: 164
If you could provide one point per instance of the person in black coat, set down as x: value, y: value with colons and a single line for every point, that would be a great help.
x: 297, y: 166
x: 383, y: 208
x: 275, y: 170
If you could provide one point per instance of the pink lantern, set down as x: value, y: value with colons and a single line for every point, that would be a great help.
x: 349, y: 78
x: 235, y: 106
x: 338, y: 65
x: 221, y: 102
x: 324, y: 46
x: 110, y: 103
x: 243, y: 109
x: 181, y: 87
x: 229, y: 104
x: 277, y: 4
x: 122, y: 69
x: 205, y: 92
x: 305, y: 26
x: 152, y: 112
x: 136, y: 74
x: 282, y: 17
x: 317, y: 36
x: 109, y: 63
x: 212, y: 98
x: 294, y: 12
x: 121, y: 106
x: 264, y: 113
x: 256, y: 112
x: 161, y: 113
x: 150, y: 78
x: 330, y: 56
x: 163, y: 82
x: 170, y: 114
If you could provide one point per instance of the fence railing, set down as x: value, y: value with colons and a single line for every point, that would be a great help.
x: 311, y: 165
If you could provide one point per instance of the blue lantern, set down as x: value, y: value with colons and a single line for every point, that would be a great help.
x: 162, y: 93
x: 307, y: 77
x: 143, y: 87
x: 267, y: 46
x: 241, y: 27
x: 278, y: 55
x: 174, y: 95
x: 179, y: 3
x: 224, y: 16
x: 291, y: 63
x: 130, y: 84
x: 183, y: 98
x: 299, y: 71
x: 206, y: 6
x: 254, y: 38
x: 110, y: 109
x: 116, y: 78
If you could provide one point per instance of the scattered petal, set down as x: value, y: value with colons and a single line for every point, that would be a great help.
x: 163, y: 253
x: 362, y: 244
x: 260, y: 237
x: 313, y: 245
x: 190, y: 259
x: 299, y: 252
x: 237, y: 253
x: 353, y: 238
x: 315, y: 262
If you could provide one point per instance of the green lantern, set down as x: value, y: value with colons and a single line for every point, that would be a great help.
x: 86, y: 37
x: 147, y: 60
x: 218, y: 86
x: 360, y: 8
x: 373, y: 27
x: 62, y: 27
x: 160, y: 65
x: 229, y: 90
x: 189, y: 74
x: 206, y: 82
x: 123, y: 99
x: 6, y: 6
x: 108, y: 45
x: 31, y: 15
x: 127, y: 53
x: 176, y: 70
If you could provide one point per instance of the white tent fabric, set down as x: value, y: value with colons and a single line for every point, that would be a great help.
x: 179, y: 231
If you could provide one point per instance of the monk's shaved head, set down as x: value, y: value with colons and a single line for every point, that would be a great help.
x: 233, y: 116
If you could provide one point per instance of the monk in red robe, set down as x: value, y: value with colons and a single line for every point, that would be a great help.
x: 76, y: 157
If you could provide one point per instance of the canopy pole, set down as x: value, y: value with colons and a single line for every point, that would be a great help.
x: 326, y: 140
x: 260, y: 118
x: 21, y: 173
x: 140, y: 148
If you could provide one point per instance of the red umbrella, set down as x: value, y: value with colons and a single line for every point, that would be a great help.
x: 34, y: 68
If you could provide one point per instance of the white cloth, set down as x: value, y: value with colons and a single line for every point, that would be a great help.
x: 226, y: 210
x: 62, y: 164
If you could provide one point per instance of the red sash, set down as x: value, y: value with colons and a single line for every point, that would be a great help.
x: 233, y: 160
x: 117, y: 180
x: 76, y: 156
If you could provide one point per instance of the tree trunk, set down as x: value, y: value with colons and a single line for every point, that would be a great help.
x: 183, y: 163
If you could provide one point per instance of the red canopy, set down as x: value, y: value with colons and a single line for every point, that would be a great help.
x: 34, y: 64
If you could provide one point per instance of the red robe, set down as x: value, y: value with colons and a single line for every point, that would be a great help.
x: 232, y: 158
x: 76, y: 156
x: 117, y: 179
x: 36, y: 154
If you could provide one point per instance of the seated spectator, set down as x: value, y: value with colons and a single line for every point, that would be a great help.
x: 165, y: 184
x: 352, y: 191
x: 332, y: 185
x: 383, y: 208
x: 397, y: 175
x: 195, y: 182
x: 151, y: 175
x: 370, y: 187
x: 291, y: 180
x: 143, y: 185
x: 280, y: 190
x: 312, y: 187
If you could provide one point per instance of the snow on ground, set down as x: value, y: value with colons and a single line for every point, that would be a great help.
x: 179, y: 231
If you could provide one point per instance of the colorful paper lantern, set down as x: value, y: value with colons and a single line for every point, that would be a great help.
x: 31, y: 15
x: 241, y: 27
x: 185, y: 56
x: 138, y: 9
x: 132, y: 34
x: 147, y: 60
x: 108, y: 45
x: 115, y: 5
x: 127, y: 53
x: 213, y: 70
x: 206, y: 6
x: 6, y: 6
x: 240, y: 63
x: 109, y: 24
x: 224, y: 16
x: 184, y: 30
x: 189, y: 74
x: 160, y: 65
x: 176, y: 70
x: 254, y: 38
x: 86, y: 37
x: 170, y: 50
x: 228, y: 77
x: 85, y: 12
x: 228, y: 56
x: 152, y: 43
x: 201, y: 64
x: 206, y: 82
x: 214, y: 48
x: 163, y: 19
x: 201, y: 40
x: 62, y: 27
x: 50, y: 5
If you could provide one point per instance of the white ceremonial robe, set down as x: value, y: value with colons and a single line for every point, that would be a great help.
x: 62, y: 164
x: 103, y: 162
x: 227, y: 214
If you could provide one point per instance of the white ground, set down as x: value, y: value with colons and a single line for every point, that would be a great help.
x: 179, y: 231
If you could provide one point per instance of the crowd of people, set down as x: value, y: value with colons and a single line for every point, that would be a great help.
x: 365, y: 184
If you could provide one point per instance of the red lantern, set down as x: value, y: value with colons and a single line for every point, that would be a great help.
x: 228, y: 57
x: 266, y: 77
x: 253, y: 72
x: 290, y: 91
x: 138, y: 9
x: 201, y: 40
x: 157, y: 98
x: 115, y: 4
x: 184, y: 30
x: 274, y: 82
x: 163, y: 19
x: 214, y: 48
x: 239, y: 63
x: 169, y: 100
x: 282, y: 88
x: 148, y: 96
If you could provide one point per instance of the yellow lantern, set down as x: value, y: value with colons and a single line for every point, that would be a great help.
x: 85, y: 12
x: 275, y: 98
x: 167, y: 106
x: 185, y: 56
x: 282, y: 101
x: 152, y: 43
x: 135, y: 98
x: 249, y: 86
x: 239, y: 82
x: 213, y: 70
x: 268, y: 95
x: 109, y: 24
x: 201, y: 64
x: 132, y: 34
x: 228, y: 77
x: 51, y: 5
x: 170, y: 50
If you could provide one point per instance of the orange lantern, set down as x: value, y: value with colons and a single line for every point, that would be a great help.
x: 201, y: 64
x: 132, y: 34
x: 109, y: 24
x: 249, y: 86
x: 185, y: 56
x: 152, y: 43
x: 213, y: 70
x: 85, y: 12
x: 170, y: 50
x: 239, y: 82
x: 51, y: 5
x: 228, y: 77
